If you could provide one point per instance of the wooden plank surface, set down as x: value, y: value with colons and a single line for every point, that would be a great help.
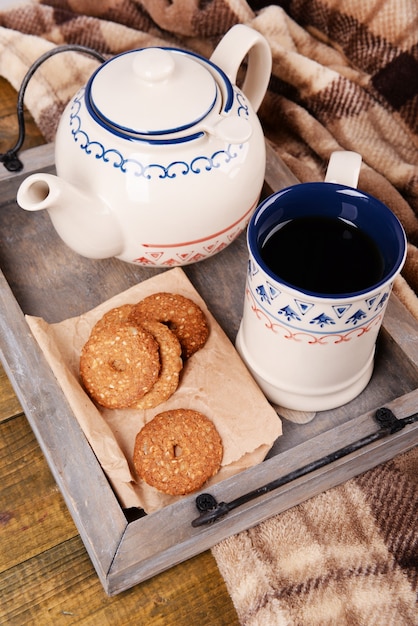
x: 9, y: 404
x: 61, y: 588
x: 46, y: 575
x: 24, y: 472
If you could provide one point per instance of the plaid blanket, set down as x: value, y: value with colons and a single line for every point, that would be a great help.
x: 345, y: 76
x: 347, y: 557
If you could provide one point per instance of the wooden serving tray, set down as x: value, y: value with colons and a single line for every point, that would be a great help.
x: 42, y: 277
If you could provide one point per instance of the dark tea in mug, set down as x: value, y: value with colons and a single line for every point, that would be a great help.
x: 323, y: 255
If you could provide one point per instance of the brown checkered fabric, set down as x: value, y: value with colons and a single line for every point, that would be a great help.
x: 348, y: 557
x: 345, y: 76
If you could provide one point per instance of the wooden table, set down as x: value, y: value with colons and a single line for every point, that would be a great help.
x: 46, y: 576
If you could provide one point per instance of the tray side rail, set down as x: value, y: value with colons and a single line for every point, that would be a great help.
x: 82, y: 483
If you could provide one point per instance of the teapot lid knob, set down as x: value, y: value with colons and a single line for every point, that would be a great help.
x: 153, y: 65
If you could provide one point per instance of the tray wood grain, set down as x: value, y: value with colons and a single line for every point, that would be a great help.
x: 41, y: 276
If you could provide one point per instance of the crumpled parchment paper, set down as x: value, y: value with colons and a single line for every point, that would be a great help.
x: 214, y: 381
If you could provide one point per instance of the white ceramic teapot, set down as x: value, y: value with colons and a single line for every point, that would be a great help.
x: 160, y: 157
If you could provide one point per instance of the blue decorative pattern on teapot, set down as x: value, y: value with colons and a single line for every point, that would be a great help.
x: 197, y: 165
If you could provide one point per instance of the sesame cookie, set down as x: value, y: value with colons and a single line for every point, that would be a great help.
x: 119, y: 364
x: 183, y: 316
x: 117, y: 315
x: 177, y: 451
x: 171, y: 365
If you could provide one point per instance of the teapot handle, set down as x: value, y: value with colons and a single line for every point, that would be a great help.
x: 229, y: 54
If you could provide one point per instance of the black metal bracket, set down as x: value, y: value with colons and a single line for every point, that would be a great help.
x: 10, y: 159
x: 211, y: 510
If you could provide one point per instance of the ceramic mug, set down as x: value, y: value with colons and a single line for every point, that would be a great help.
x: 322, y: 261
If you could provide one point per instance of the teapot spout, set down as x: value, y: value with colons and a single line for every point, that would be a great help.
x: 84, y: 222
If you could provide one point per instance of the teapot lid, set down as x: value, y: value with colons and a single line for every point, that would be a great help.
x: 152, y: 91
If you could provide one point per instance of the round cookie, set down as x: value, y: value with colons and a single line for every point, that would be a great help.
x: 171, y: 365
x: 183, y: 316
x: 119, y: 364
x: 177, y: 451
x: 117, y: 315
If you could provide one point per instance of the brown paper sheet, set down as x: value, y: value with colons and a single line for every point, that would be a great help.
x: 214, y: 381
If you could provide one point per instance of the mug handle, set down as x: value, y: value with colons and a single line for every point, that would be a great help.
x: 240, y: 41
x: 344, y: 168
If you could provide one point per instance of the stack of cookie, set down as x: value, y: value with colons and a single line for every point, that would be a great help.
x: 133, y: 359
